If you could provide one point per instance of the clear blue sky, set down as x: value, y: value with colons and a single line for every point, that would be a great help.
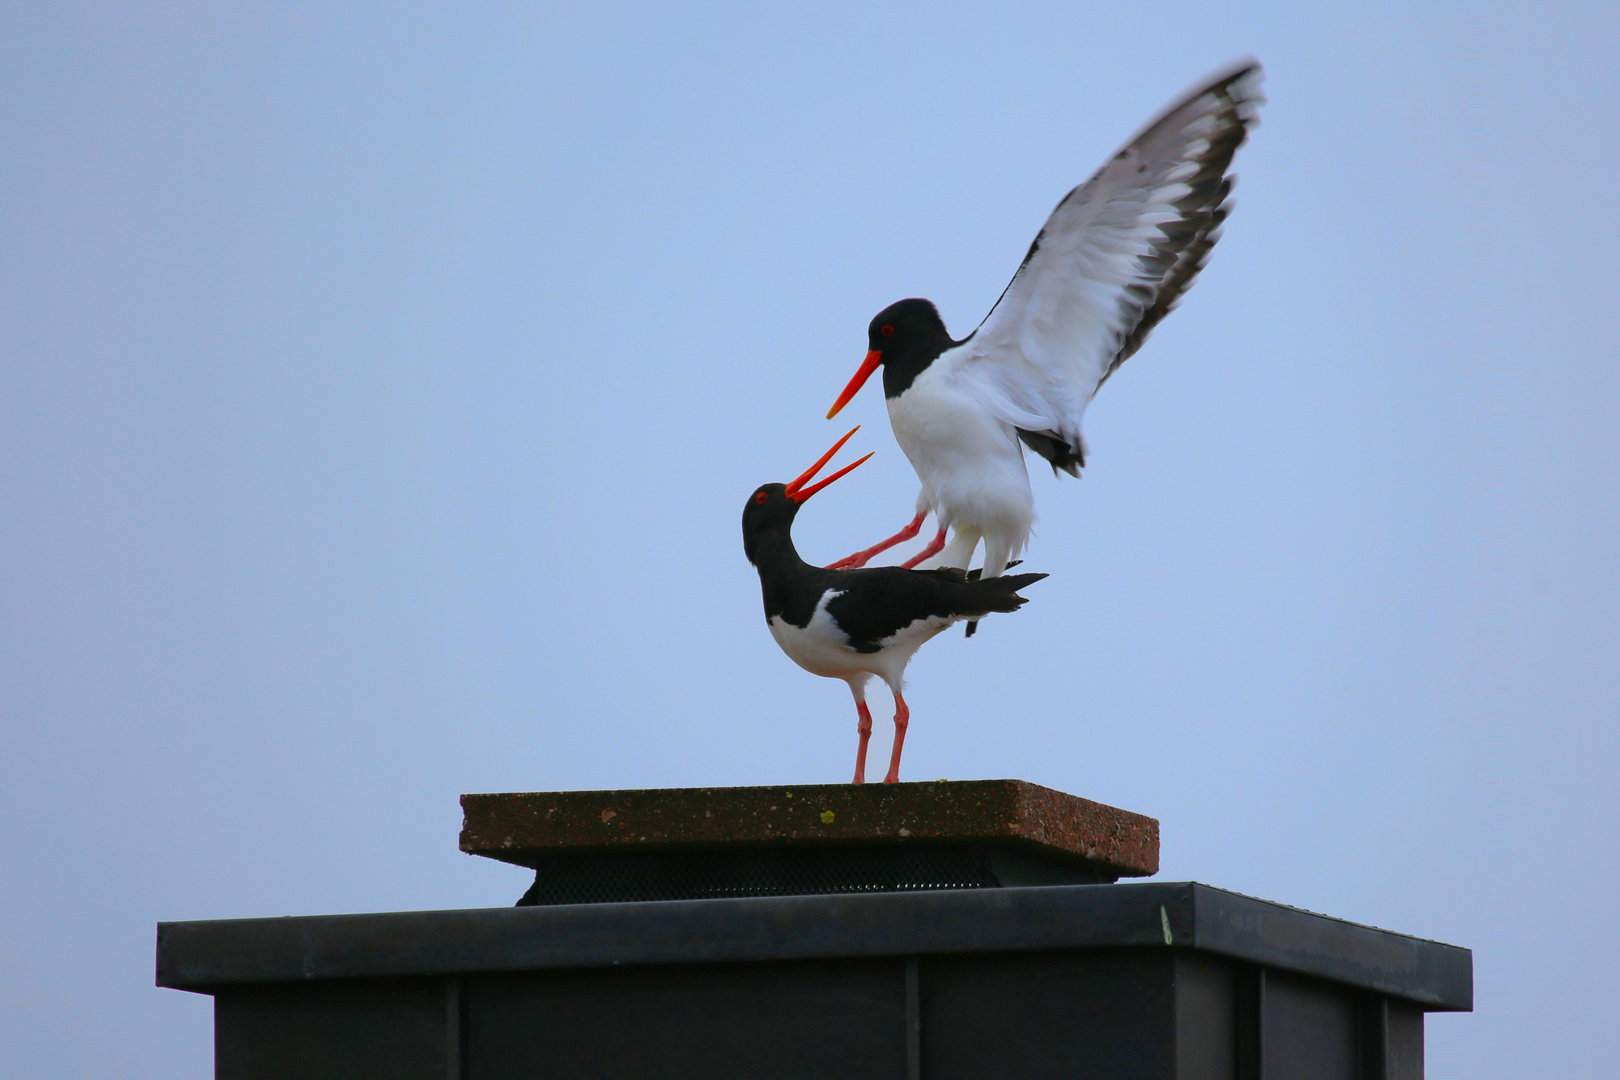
x: 381, y: 385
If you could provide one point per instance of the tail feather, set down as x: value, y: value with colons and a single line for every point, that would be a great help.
x: 1025, y: 579
x: 1001, y: 593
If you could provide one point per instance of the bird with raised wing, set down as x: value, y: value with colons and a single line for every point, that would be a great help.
x: 854, y: 624
x: 1112, y: 260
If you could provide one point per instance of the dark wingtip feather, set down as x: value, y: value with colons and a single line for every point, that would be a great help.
x: 1057, y: 452
x: 1009, y: 586
x: 1003, y: 591
x: 1022, y: 580
x: 1187, y: 243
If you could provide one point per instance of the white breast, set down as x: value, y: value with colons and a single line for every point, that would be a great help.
x: 970, y: 463
x: 821, y: 648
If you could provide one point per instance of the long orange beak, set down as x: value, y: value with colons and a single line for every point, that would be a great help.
x: 796, y: 490
x: 869, y: 365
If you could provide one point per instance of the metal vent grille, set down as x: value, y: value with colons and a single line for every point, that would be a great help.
x: 627, y: 876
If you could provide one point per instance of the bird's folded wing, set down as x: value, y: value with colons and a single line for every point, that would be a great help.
x: 1111, y: 261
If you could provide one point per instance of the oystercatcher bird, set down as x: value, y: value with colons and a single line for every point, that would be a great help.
x: 1111, y: 261
x: 854, y: 624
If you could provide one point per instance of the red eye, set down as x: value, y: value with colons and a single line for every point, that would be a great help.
x: 887, y: 330
x: 761, y: 497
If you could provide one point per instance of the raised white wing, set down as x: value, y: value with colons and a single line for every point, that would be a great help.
x: 1111, y: 261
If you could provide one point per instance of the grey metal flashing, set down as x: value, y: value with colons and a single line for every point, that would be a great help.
x: 1436, y: 975
x: 205, y: 956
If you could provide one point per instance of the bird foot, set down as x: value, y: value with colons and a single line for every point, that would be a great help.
x: 935, y: 546
x: 863, y: 728
x: 859, y: 559
x: 902, y: 720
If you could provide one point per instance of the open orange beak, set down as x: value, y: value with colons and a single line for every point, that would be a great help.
x: 869, y: 365
x: 799, y: 493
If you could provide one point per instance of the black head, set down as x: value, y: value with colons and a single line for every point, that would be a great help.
x: 769, y: 512
x: 905, y: 327
x: 768, y: 515
x: 903, y: 338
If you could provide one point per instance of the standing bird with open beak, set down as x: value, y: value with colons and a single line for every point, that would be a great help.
x: 1112, y: 260
x: 854, y: 624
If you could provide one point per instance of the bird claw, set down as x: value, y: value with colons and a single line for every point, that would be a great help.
x: 860, y: 558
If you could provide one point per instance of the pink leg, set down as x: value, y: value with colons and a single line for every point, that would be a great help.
x: 864, y: 728
x: 935, y: 546
x: 902, y: 717
x: 860, y: 557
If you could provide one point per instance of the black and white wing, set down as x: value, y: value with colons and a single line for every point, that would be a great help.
x: 1111, y: 261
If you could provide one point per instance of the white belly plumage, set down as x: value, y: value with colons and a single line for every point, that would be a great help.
x: 971, y: 466
x: 821, y: 648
